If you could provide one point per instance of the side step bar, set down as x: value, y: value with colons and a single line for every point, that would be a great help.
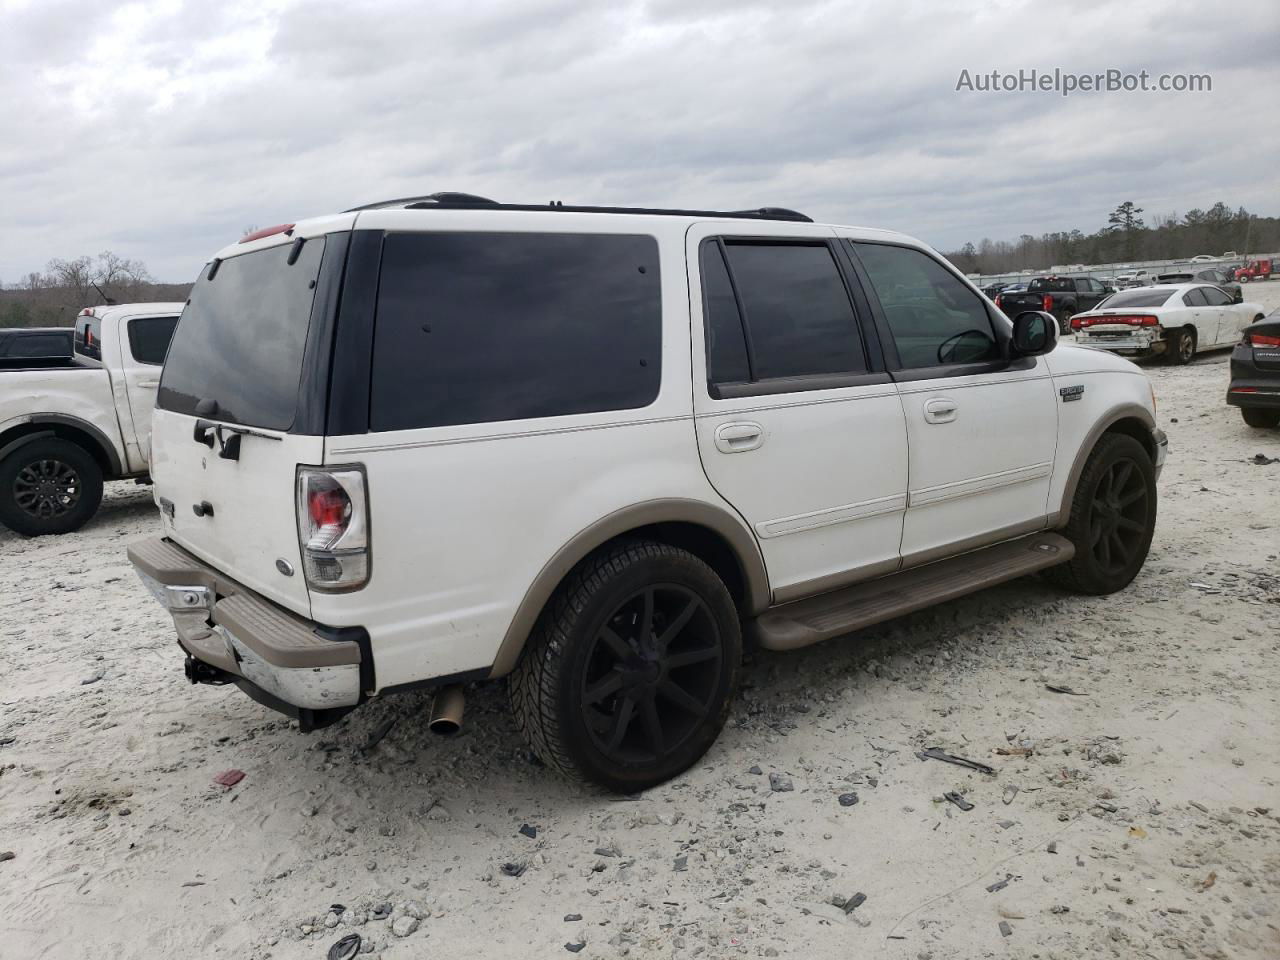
x: 830, y: 615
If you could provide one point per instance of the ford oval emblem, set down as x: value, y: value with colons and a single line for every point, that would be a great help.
x: 285, y: 567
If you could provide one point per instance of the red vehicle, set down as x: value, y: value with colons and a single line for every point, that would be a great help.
x: 1254, y: 270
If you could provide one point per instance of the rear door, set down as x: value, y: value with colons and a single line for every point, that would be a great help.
x: 1232, y: 317
x: 240, y: 365
x: 798, y: 425
x: 982, y: 433
x: 145, y: 340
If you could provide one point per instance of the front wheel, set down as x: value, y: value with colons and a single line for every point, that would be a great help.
x: 1182, y: 346
x: 627, y: 678
x: 49, y: 486
x: 1260, y: 419
x: 1113, y: 517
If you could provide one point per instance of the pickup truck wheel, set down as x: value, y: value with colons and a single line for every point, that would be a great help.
x: 49, y: 486
x: 1182, y: 346
x: 627, y: 678
x: 1261, y: 419
x: 1113, y: 517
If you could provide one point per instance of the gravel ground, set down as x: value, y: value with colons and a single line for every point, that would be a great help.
x: 1139, y: 817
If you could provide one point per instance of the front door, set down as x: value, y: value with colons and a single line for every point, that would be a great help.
x: 1232, y: 317
x: 798, y: 425
x: 982, y: 433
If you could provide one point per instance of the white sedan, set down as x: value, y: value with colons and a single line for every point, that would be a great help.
x: 1172, y: 319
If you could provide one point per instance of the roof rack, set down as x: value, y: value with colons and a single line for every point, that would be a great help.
x: 469, y: 201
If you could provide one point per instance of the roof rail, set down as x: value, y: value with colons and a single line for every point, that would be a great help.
x: 468, y: 201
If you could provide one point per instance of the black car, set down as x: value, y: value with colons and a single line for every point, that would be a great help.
x: 1255, y: 373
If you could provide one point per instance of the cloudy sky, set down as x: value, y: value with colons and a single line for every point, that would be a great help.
x: 162, y: 130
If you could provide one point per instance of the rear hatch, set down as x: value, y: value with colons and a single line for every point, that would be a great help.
x: 229, y: 429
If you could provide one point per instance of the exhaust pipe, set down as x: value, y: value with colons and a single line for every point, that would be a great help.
x: 446, y: 710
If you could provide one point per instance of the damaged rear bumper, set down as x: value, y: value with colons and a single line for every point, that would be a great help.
x: 303, y: 669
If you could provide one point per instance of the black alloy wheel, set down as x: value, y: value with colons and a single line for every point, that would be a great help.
x: 49, y: 485
x: 1118, y: 516
x: 47, y: 488
x: 652, y: 674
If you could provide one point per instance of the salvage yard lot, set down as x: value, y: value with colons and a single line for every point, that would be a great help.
x: 1145, y: 819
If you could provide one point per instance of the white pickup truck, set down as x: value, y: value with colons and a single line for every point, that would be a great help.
x: 65, y: 429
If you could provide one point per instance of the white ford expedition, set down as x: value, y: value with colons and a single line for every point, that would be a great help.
x: 66, y: 427
x: 435, y: 440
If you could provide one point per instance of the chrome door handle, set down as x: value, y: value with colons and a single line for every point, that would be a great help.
x: 739, y: 437
x: 940, y: 410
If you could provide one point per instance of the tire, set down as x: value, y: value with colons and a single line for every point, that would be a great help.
x: 1182, y: 347
x: 593, y: 682
x: 1113, y: 517
x: 1260, y: 419
x: 1064, y: 324
x: 49, y: 486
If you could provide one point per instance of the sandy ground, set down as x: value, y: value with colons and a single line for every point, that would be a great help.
x: 1144, y: 821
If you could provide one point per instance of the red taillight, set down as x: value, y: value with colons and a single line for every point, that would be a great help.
x: 997, y: 299
x: 333, y: 527
x: 1261, y: 340
x: 267, y: 232
x: 1244, y: 389
x: 328, y: 508
x: 1128, y: 320
x: 1046, y: 303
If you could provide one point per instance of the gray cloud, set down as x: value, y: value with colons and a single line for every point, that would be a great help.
x: 162, y: 130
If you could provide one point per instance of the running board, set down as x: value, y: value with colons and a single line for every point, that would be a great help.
x: 830, y: 615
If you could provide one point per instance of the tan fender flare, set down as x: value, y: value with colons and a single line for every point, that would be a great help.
x: 1126, y: 412
x: 718, y: 520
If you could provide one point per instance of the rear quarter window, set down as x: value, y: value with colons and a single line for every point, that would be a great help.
x: 88, y: 338
x: 483, y: 327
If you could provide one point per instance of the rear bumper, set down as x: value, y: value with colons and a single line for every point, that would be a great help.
x: 1139, y: 344
x: 1253, y: 385
x: 295, y: 665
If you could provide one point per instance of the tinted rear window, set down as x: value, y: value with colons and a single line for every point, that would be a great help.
x: 1137, y: 298
x: 1050, y: 284
x: 149, y: 338
x: 481, y: 327
x: 241, y: 338
x: 38, y: 345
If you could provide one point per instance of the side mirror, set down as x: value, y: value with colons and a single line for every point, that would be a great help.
x: 1035, y: 333
x: 1239, y: 297
x: 1108, y: 288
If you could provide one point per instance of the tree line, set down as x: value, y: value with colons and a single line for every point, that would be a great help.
x: 1128, y: 237
x: 53, y: 297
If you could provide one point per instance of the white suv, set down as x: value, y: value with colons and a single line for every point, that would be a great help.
x: 436, y: 440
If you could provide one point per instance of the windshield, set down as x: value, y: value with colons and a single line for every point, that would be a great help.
x: 1137, y: 298
x: 241, y: 338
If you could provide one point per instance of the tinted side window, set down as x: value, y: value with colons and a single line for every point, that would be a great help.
x: 88, y: 337
x: 481, y: 327
x: 1215, y: 297
x: 798, y: 315
x: 726, y: 343
x: 149, y: 338
x: 934, y: 318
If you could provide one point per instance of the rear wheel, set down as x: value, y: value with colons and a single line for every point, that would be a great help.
x: 627, y: 679
x: 1113, y: 517
x: 1182, y: 346
x: 49, y: 486
x: 1260, y: 419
